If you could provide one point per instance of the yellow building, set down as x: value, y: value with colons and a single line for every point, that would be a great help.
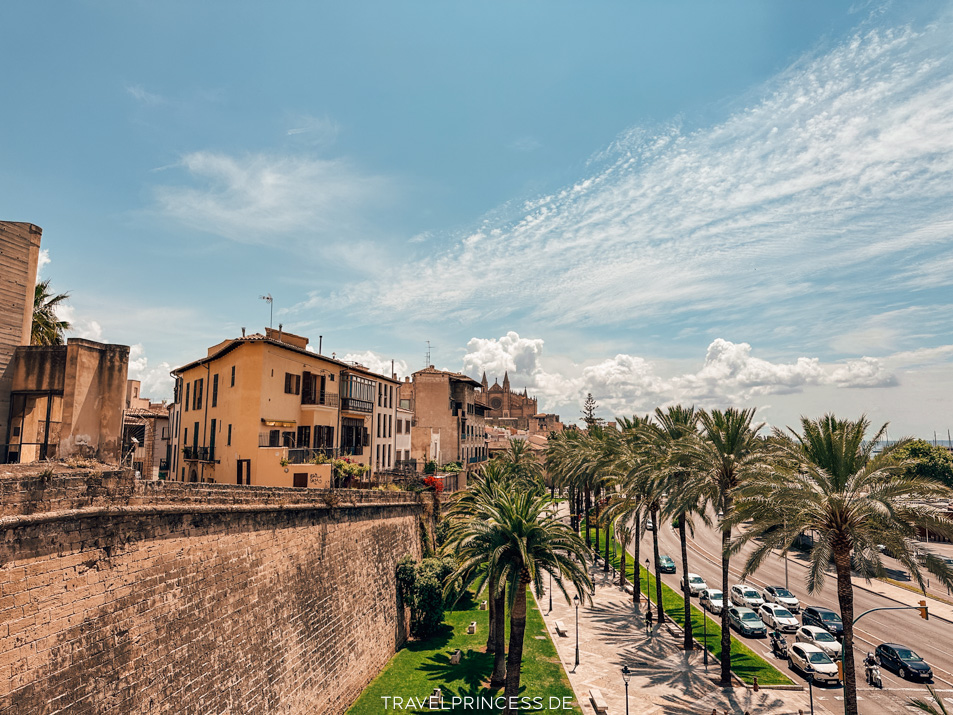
x: 265, y: 410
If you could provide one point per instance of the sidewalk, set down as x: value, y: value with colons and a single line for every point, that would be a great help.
x: 665, y: 679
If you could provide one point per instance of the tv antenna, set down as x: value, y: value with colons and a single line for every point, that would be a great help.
x: 429, y: 349
x: 271, y: 308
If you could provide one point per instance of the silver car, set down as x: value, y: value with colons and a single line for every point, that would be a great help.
x: 745, y: 596
x: 712, y: 599
x: 778, y: 617
x: 783, y: 597
x: 696, y: 584
x: 811, y: 660
x: 819, y: 637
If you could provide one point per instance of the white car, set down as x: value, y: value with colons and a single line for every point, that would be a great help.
x: 745, y: 596
x: 783, y: 597
x: 696, y: 584
x: 819, y: 637
x: 811, y: 660
x: 712, y: 599
x: 778, y: 617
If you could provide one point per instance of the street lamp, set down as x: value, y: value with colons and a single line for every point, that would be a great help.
x: 550, y: 592
x: 648, y: 594
x: 626, y: 673
x: 575, y: 599
x: 810, y: 689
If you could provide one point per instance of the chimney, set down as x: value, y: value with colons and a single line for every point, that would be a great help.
x: 279, y: 332
x: 320, y: 342
x: 243, y: 331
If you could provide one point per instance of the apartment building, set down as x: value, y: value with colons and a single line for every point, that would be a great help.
x: 263, y: 409
x: 450, y: 407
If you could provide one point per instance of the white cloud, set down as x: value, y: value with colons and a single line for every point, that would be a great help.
x: 625, y: 384
x: 789, y: 204
x: 156, y: 382
x: 257, y: 197
x: 139, y: 93
x: 316, y: 130
x: 81, y: 327
x: 377, y: 363
x: 42, y: 261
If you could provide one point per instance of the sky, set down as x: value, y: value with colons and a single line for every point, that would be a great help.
x: 732, y: 203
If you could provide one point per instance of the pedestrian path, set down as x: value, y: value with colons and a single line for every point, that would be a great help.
x: 665, y: 679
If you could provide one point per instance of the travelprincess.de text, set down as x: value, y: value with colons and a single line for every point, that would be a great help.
x: 393, y: 702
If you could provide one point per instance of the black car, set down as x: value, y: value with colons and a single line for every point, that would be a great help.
x: 823, y: 618
x: 903, y: 661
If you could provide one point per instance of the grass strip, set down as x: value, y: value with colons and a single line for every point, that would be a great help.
x: 421, y: 666
x: 745, y: 663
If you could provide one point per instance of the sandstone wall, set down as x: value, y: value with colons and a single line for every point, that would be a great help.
x: 123, y: 596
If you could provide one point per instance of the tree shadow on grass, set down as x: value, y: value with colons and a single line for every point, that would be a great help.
x: 474, y: 669
x: 439, y: 640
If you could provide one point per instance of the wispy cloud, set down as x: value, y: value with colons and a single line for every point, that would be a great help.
x: 256, y: 197
x: 835, y: 182
x: 140, y: 94
x: 315, y: 130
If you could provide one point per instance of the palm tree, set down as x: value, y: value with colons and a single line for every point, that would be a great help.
x: 47, y: 328
x: 935, y: 708
x: 828, y: 479
x: 726, y: 456
x: 520, y: 539
x: 623, y: 535
x: 674, y: 427
x: 521, y: 463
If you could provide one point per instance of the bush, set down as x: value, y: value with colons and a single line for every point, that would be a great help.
x: 420, y: 586
x: 430, y: 467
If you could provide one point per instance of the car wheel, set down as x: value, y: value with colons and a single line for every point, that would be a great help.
x: 902, y: 672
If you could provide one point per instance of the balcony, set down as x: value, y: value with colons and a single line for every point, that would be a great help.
x: 198, y: 454
x: 351, y: 404
x: 308, y: 456
x: 320, y: 397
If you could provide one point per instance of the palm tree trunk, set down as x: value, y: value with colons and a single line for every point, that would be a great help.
x: 845, y: 598
x: 498, y: 678
x: 597, y: 521
x: 725, y: 633
x: 514, y: 659
x: 636, y: 570
x: 658, y: 572
x: 586, y: 507
x: 622, y: 563
x: 689, y: 642
x: 491, y: 608
x: 605, y: 566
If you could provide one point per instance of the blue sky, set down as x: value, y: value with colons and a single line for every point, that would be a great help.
x: 717, y: 203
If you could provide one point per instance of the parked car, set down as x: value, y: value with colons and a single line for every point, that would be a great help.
x: 746, y: 622
x: 713, y: 599
x: 649, y: 526
x: 903, y: 661
x: 745, y: 596
x: 823, y: 618
x: 783, y: 597
x: 775, y: 616
x: 696, y: 584
x: 811, y: 660
x: 666, y: 564
x: 819, y: 637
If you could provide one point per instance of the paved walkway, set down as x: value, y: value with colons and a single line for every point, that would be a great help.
x: 665, y: 679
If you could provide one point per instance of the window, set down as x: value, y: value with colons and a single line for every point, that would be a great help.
x: 229, y: 441
x: 188, y: 385
x: 197, y: 393
x: 215, y: 390
x: 233, y: 376
x: 380, y: 394
x: 304, y: 435
x: 292, y: 384
x: 185, y: 437
x: 352, y: 436
x: 288, y: 439
x: 379, y: 415
x: 400, y: 426
x: 274, y: 438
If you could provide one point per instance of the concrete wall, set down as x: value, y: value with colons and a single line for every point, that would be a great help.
x: 124, y: 596
x: 19, y: 253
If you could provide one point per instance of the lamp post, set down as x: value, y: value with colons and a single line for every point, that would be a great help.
x: 810, y: 690
x: 785, y: 558
x: 550, y: 591
x: 575, y: 599
x: 625, y: 679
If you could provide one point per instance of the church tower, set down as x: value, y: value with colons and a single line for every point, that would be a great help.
x: 506, y: 393
x: 485, y: 384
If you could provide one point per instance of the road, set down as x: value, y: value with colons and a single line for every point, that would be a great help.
x: 932, y: 639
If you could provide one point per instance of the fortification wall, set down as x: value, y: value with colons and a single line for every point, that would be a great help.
x: 124, y: 596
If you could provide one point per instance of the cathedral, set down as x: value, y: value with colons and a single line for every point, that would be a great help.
x: 515, y: 409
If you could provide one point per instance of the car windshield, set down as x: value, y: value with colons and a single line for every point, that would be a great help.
x: 782, y: 613
x: 783, y: 593
x: 907, y: 654
x: 665, y: 560
x: 817, y: 657
x: 831, y: 617
x: 750, y: 617
x: 696, y: 579
x: 823, y: 637
x: 751, y: 593
x: 716, y: 595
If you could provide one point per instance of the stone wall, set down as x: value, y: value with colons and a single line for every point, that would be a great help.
x: 125, y: 596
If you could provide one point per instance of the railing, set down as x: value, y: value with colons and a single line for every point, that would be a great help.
x: 330, y: 399
x: 405, y: 466
x: 352, y: 404
x: 198, y: 454
x: 307, y: 456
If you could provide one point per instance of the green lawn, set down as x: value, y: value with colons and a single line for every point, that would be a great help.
x: 419, y: 667
x: 745, y: 663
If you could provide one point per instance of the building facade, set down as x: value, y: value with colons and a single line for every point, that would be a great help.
x: 146, y: 434
x: 449, y: 418
x: 516, y: 410
x: 263, y: 409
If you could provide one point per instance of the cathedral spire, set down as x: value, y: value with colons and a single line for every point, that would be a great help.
x: 484, y: 382
x: 506, y: 381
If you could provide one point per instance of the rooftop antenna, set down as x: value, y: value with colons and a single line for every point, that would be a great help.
x: 271, y: 308
x: 429, y: 349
